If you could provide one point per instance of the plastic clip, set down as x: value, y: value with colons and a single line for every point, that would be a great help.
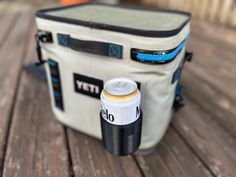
x: 179, y: 100
x: 44, y: 37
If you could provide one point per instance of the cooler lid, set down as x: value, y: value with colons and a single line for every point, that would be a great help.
x: 150, y: 22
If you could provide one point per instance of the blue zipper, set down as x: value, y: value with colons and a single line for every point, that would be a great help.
x: 162, y: 57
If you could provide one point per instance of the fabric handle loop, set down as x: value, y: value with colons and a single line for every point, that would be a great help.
x: 93, y: 47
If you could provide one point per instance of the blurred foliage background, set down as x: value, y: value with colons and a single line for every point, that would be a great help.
x: 220, y: 11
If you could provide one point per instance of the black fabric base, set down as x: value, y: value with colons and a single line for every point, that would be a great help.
x: 121, y: 139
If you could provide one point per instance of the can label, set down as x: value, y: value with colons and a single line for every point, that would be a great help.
x: 120, y: 102
x: 122, y: 115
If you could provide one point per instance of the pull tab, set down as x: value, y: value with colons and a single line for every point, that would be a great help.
x: 44, y: 37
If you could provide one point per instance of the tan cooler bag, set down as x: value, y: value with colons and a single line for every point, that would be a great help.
x: 86, y: 45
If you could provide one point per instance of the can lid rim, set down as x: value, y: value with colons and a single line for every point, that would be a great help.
x: 120, y: 86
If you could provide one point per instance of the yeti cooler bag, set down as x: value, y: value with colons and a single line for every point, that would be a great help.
x: 83, y: 46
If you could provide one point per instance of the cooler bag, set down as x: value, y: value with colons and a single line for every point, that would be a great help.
x: 85, y: 45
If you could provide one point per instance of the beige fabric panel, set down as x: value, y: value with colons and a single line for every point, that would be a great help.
x: 130, y: 18
x: 81, y: 111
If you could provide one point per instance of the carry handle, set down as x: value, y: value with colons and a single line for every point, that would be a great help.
x: 93, y: 47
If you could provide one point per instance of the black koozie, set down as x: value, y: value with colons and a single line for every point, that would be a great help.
x: 121, y: 139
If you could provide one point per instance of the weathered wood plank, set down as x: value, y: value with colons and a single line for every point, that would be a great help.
x: 162, y: 3
x: 173, y: 4
x: 8, y: 20
x: 11, y: 55
x: 214, y: 64
x: 196, y: 9
x: 203, y: 11
x: 220, y: 11
x: 212, y: 57
x: 211, y: 75
x: 173, y: 158
x: 212, y: 144
x: 208, y: 65
x: 179, y: 158
x: 214, y: 34
x: 89, y: 158
x: 214, y: 82
x: 148, y: 2
x: 213, y: 9
x: 153, y: 166
x: 225, y: 11
x: 186, y: 5
x: 37, y: 144
x: 233, y: 16
x: 210, y: 100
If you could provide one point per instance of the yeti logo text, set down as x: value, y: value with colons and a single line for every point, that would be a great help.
x: 87, y: 85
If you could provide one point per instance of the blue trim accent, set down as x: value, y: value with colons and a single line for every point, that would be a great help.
x: 55, y: 80
x: 63, y: 39
x: 115, y: 51
x: 176, y: 75
x: 52, y: 63
x: 164, y: 57
x: 57, y: 94
x: 58, y: 105
x: 179, y: 90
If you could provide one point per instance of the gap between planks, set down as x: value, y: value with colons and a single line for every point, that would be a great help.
x: 34, y: 164
x: 7, y: 121
x: 212, y: 160
x: 212, y: 144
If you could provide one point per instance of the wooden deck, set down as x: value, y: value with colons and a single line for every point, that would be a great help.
x: 200, y: 141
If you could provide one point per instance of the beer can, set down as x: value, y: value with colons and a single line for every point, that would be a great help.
x: 121, y: 116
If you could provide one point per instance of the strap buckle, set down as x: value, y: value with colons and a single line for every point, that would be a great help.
x: 44, y: 37
x: 188, y: 56
x: 179, y: 100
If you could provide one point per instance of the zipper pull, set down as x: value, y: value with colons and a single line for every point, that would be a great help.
x: 44, y: 37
